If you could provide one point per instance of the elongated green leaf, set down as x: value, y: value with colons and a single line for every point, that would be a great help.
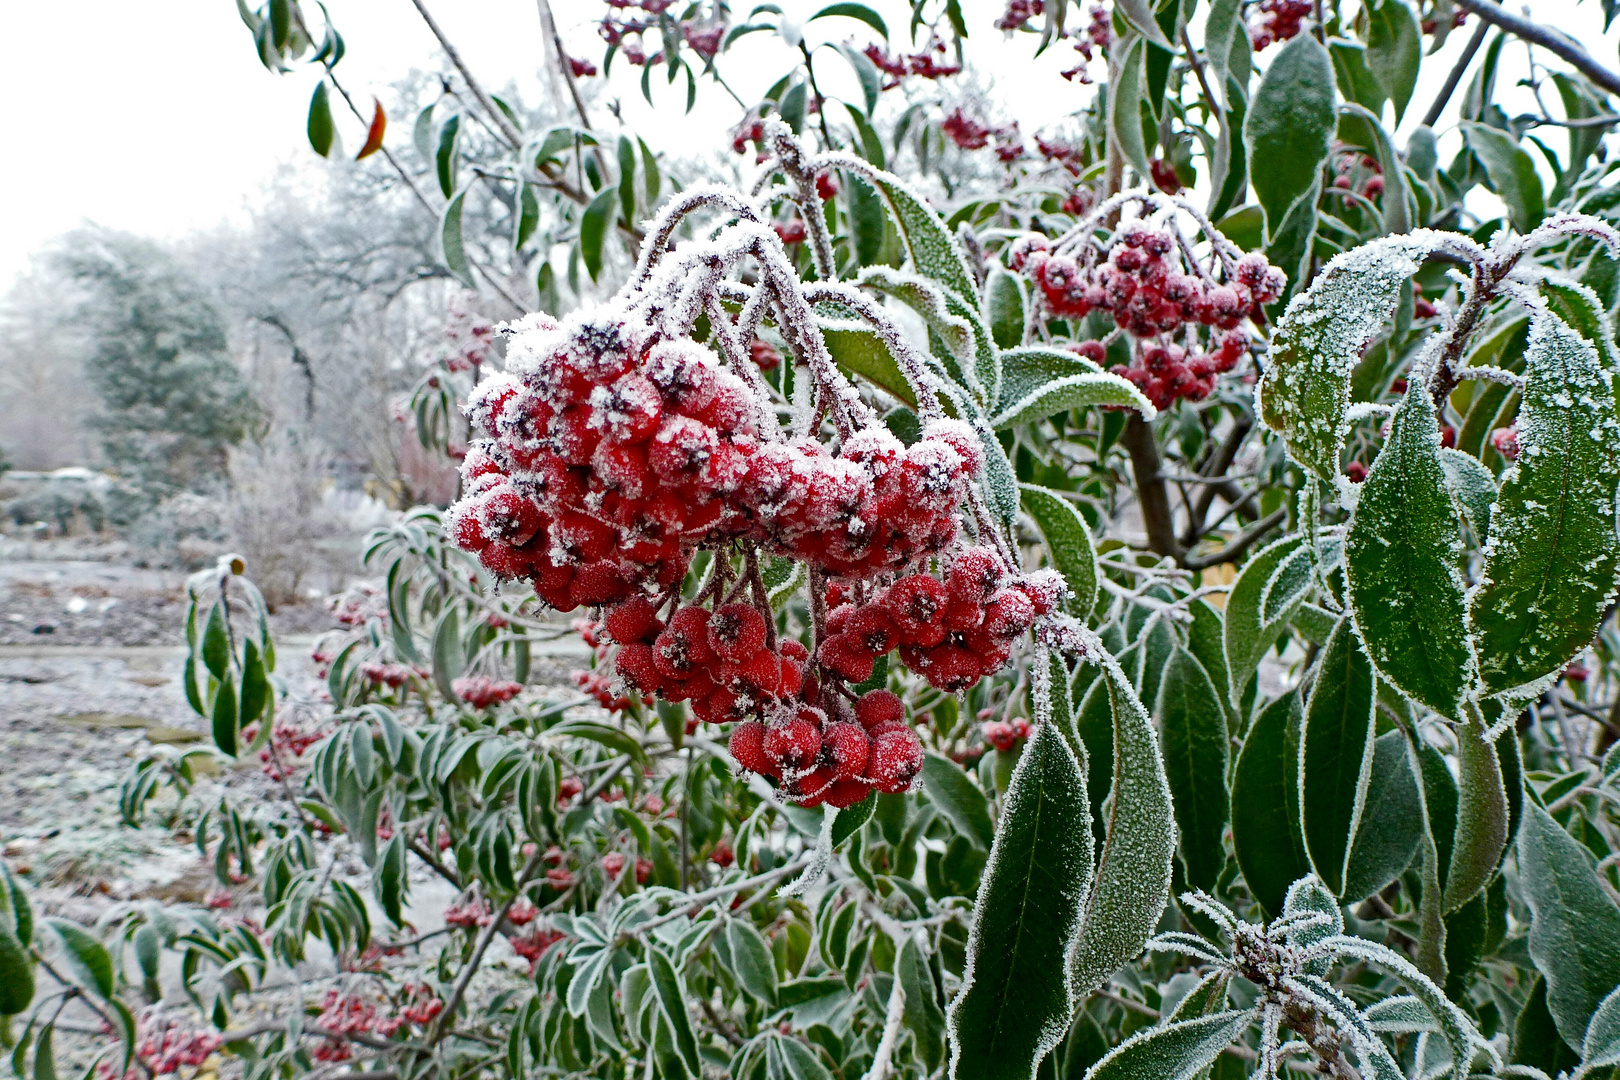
x: 1004, y: 304
x: 1394, y: 50
x: 1574, y: 927
x: 1551, y: 556
x: 1125, y: 108
x: 216, y: 645
x: 389, y: 880
x: 1287, y: 585
x: 320, y: 128
x: 858, y: 351
x: 16, y: 976
x: 1220, y: 25
x: 1512, y: 173
x: 1133, y: 868
x: 1265, y: 804
x: 594, y: 225
x: 256, y: 694
x: 753, y: 966
x: 1335, y: 755
x: 855, y: 11
x: 452, y: 242
x: 958, y: 799
x: 1584, y: 313
x: 1482, y: 816
x: 1176, y: 1051
x: 1602, y: 1043
x: 1472, y: 485
x: 1290, y: 126
x: 1071, y: 392
x: 1246, y: 636
x: 447, y: 655
x: 1305, y: 390
x: 223, y: 720
x: 1402, y: 562
x: 1196, y: 753
x: 1025, y: 370
x: 1068, y: 543
x: 934, y: 251
x: 923, y: 1016
x: 87, y: 959
x: 444, y: 157
x: 1391, y: 826
x: 1016, y: 1001
x: 969, y: 353
x: 671, y: 993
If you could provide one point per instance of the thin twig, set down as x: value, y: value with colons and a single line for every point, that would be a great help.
x: 1457, y: 69
x: 1554, y: 41
x: 1239, y: 543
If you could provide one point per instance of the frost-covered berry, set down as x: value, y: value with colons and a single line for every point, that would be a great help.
x: 793, y: 740
x: 894, y: 761
x: 634, y: 620
x: 878, y: 706
x: 747, y: 746
x: 844, y: 749
x: 736, y: 632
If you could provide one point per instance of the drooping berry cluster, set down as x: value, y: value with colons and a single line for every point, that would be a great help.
x: 718, y: 660
x: 1278, y: 20
x: 702, y: 35
x: 1006, y: 734
x: 1144, y: 285
x: 1165, y: 373
x: 837, y: 759
x: 1092, y: 40
x: 483, y: 692
x: 930, y: 63
x: 970, y: 133
x: 951, y: 632
x: 469, y: 335
x: 165, y: 1044
x: 608, y: 459
x: 1018, y: 13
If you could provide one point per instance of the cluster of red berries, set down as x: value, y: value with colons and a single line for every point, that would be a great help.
x: 718, y: 660
x: 1093, y: 39
x: 1006, y: 734
x: 532, y: 946
x: 613, y: 864
x: 969, y: 133
x: 1018, y: 14
x: 471, y: 336
x: 165, y: 1044
x: 952, y: 632
x: 358, y: 605
x: 348, y: 1014
x: 1141, y: 284
x: 597, y: 685
x: 609, y: 459
x: 1506, y: 441
x: 468, y: 915
x: 930, y: 63
x: 833, y: 759
x: 1278, y: 20
x: 701, y: 36
x: 483, y: 692
x: 288, y: 741
x: 393, y: 676
x: 1166, y: 373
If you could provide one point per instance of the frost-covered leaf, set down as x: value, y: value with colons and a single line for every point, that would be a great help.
x: 1015, y: 1003
x: 1176, y: 1051
x: 958, y: 327
x: 1068, y: 543
x: 1125, y: 108
x: 1391, y: 826
x: 1246, y: 636
x: 1551, y: 555
x: 1072, y: 392
x: 1482, y: 816
x: 1305, y: 391
x: 1585, y: 314
x: 859, y: 351
x: 1290, y: 126
x: 1404, y: 582
x: 1195, y: 758
x: 1400, y: 1015
x: 1512, y: 173
x: 671, y: 991
x: 922, y: 1015
x: 934, y: 252
x: 1574, y: 926
x: 1024, y: 371
x: 1004, y: 304
x: 1472, y: 485
x: 751, y: 961
x: 1394, y: 50
x: 1602, y: 1044
x: 1335, y: 755
x: 1265, y: 804
x: 1133, y: 868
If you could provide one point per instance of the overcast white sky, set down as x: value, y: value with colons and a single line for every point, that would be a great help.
x: 156, y: 117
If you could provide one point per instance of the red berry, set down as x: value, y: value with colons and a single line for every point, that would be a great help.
x: 846, y: 793
x: 793, y: 742
x: 844, y: 749
x: 895, y: 760
x: 974, y: 575
x: 635, y: 666
x: 747, y: 746
x: 872, y: 630
x: 634, y: 620
x: 877, y: 706
x: 736, y: 632
x: 844, y: 656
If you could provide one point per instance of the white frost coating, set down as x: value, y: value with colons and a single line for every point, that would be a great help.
x: 1305, y: 391
x: 1087, y: 388
x: 820, y: 857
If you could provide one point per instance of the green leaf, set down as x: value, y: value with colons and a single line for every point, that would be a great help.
x: 753, y: 966
x: 1246, y: 636
x: 799, y: 1061
x: 1102, y: 388
x: 447, y: 655
x: 1139, y: 13
x: 1133, y: 868
x: 1551, y: 555
x: 792, y: 107
x: 1125, y: 107
x: 851, y: 818
x: 1220, y: 25
x: 969, y: 353
x: 1193, y: 724
x: 1025, y: 370
x: 87, y: 960
x: 1482, y: 816
x: 1512, y: 174
x: 1290, y: 126
x: 322, y: 131
x: 922, y: 1014
x: 1004, y: 304
x: 224, y: 716
x: 855, y: 11
x: 627, y: 178
x: 444, y: 157
x: 954, y: 795
x: 672, y: 1002
x: 45, y: 1054
x: 1391, y: 826
x: 1574, y: 927
x: 452, y: 242
x: 857, y: 350
x: 1472, y: 485
x: 216, y: 645
x: 256, y: 694
x: 1177, y: 1051
x: 1068, y: 544
x: 1265, y: 804
x: 390, y: 878
x: 1394, y: 50
x: 16, y: 977
x: 867, y: 74
x: 1016, y: 999
x: 593, y: 229
x: 1336, y: 754
x: 18, y: 914
x: 1402, y: 561
x: 1581, y: 309
x: 1305, y: 391
x: 528, y: 218
x: 1602, y: 1043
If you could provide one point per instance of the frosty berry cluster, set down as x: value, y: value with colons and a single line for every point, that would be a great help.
x: 836, y: 757
x: 951, y: 632
x: 610, y: 456
x: 483, y: 692
x: 1276, y: 21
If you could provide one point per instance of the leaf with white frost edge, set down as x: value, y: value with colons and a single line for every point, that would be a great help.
x: 1304, y: 394
x: 1015, y: 1003
x: 1336, y: 755
x: 1068, y: 544
x: 1602, y: 1045
x: 1175, y: 1051
x: 1482, y: 816
x: 1401, y: 564
x: 1072, y: 392
x: 1552, y: 553
x: 1133, y: 869
x: 1196, y: 752
x: 1245, y: 636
